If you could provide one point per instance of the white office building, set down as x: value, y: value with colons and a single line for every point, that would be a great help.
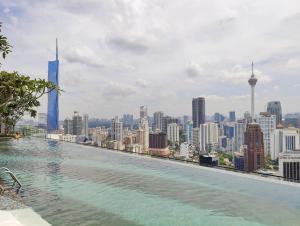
x: 284, y: 140
x: 267, y: 124
x: 143, y: 135
x: 289, y: 165
x: 173, y: 133
x: 85, y: 125
x: 200, y: 137
x: 212, y: 132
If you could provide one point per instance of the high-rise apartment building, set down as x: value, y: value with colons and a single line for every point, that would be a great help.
x: 68, y: 126
x: 85, y: 125
x: 254, y: 153
x: 274, y: 107
x: 173, y: 133
x: 77, y: 124
x: 188, y: 129
x: 239, y: 132
x: 158, y: 141
x: 166, y: 120
x: 143, y: 135
x: 267, y: 123
x: 117, y: 129
x: 200, y: 137
x: 158, y: 118
x: 53, y: 110
x: 198, y: 111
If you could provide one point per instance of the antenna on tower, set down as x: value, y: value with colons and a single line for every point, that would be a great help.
x: 56, y: 50
x: 252, y: 70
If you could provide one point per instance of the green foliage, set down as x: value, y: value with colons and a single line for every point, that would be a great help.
x: 5, y: 47
x: 19, y: 94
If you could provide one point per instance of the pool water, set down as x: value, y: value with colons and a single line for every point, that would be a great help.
x: 70, y: 184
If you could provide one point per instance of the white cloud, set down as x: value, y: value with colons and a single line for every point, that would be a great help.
x: 293, y: 63
x: 141, y: 83
x: 175, y: 50
x: 113, y: 90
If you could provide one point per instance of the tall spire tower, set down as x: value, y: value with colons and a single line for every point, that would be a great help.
x: 252, y: 82
x: 53, y: 113
x: 56, y: 49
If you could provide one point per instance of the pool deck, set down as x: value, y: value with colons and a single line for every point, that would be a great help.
x: 21, y: 217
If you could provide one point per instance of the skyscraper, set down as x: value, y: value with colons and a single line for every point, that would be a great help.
x: 252, y: 82
x: 143, y: 134
x: 85, y: 125
x: 117, y: 129
x: 254, y: 153
x: 53, y: 111
x: 77, y: 124
x: 188, y: 128
x: 232, y: 116
x: 68, y: 126
x: 267, y: 123
x: 274, y: 107
x: 239, y: 132
x: 157, y: 117
x: 173, y: 133
x: 198, y: 111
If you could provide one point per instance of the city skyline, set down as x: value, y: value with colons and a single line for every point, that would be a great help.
x: 109, y: 59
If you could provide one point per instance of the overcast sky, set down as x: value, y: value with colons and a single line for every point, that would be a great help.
x: 116, y: 55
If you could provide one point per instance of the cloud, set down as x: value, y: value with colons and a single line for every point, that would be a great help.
x: 193, y: 70
x: 293, y: 63
x: 239, y: 75
x: 158, y: 52
x: 130, y: 44
x: 141, y: 83
x: 113, y: 90
x: 83, y: 55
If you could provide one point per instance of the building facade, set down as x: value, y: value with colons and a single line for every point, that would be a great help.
x: 188, y: 129
x: 274, y: 108
x: 239, y: 132
x: 254, y: 153
x: 117, y: 129
x: 289, y: 165
x: 158, y: 141
x: 53, y: 110
x: 232, y: 116
x: 267, y: 123
x: 173, y: 133
x: 85, y: 125
x: 77, y: 124
x: 157, y: 117
x: 284, y: 140
x: 68, y: 126
x: 198, y: 111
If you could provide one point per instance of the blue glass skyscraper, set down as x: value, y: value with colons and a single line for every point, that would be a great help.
x: 52, y: 121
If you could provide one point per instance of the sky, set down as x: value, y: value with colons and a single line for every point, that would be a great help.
x: 116, y: 55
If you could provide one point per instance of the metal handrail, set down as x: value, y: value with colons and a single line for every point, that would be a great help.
x: 12, y: 175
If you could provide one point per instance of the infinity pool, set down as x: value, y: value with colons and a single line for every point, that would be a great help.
x: 70, y: 184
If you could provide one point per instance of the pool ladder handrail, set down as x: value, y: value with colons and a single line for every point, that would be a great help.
x: 12, y: 175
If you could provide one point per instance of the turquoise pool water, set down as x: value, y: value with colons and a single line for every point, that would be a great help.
x: 70, y: 184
